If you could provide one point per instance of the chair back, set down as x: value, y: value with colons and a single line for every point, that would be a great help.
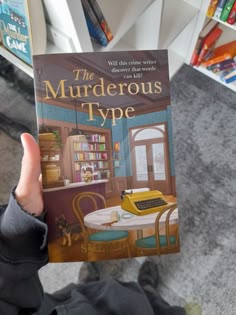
x: 94, y: 202
x: 166, y: 211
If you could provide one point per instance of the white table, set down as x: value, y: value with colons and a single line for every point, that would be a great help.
x: 100, y: 220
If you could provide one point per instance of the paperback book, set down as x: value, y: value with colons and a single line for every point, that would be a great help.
x: 105, y: 136
x: 20, y: 35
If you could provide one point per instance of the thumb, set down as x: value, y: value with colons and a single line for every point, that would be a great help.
x: 30, y: 168
x: 28, y: 191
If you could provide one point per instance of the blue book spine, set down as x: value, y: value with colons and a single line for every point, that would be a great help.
x: 219, y: 8
x: 15, y: 29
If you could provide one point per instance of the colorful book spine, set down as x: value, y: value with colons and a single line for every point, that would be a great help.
x: 232, y: 15
x: 226, y: 10
x: 93, y: 24
x: 219, y: 8
x: 222, y: 65
x: 99, y: 14
x: 212, y: 7
x: 228, y: 76
x: 208, y: 43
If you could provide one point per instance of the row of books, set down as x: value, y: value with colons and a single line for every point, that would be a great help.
x: 98, y: 27
x: 225, y: 10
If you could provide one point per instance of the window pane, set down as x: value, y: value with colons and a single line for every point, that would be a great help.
x: 141, y: 163
x: 149, y: 133
x: 158, y: 155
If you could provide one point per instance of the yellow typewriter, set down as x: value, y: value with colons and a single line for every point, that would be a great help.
x: 143, y: 202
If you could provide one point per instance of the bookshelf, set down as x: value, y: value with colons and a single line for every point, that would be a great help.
x: 51, y: 158
x: 90, y: 156
x: 228, y: 35
x: 135, y: 24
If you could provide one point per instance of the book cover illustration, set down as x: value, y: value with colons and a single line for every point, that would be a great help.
x: 15, y: 28
x: 105, y: 136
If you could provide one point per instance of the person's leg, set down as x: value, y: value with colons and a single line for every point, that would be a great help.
x: 148, y: 279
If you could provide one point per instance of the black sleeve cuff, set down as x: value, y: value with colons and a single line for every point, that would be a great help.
x: 23, y: 237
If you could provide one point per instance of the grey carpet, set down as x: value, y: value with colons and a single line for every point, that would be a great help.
x: 204, y: 116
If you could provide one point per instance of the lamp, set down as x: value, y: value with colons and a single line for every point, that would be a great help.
x: 75, y: 131
x: 42, y: 128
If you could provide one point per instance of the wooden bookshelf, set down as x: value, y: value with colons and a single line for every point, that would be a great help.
x: 51, y: 158
x: 90, y: 156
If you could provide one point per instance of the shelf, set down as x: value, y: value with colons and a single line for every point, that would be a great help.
x: 120, y: 16
x: 216, y: 77
x: 173, y: 23
x: 233, y: 27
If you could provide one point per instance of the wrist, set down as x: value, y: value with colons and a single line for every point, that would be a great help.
x: 30, y: 203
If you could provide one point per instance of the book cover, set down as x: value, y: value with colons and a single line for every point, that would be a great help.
x: 211, y: 8
x: 15, y: 28
x: 232, y: 15
x: 208, y: 43
x: 209, y: 26
x: 105, y: 136
x: 19, y: 25
x: 226, y: 10
x: 219, y: 8
x: 95, y: 30
x: 99, y: 14
x: 221, y: 53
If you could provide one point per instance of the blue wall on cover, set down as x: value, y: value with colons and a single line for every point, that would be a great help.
x: 119, y: 131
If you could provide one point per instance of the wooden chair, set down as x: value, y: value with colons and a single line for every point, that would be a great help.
x: 103, y: 242
x: 160, y: 243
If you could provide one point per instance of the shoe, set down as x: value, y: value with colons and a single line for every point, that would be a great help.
x: 88, y: 273
x: 148, y: 274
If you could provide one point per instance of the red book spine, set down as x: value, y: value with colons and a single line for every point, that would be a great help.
x: 232, y: 15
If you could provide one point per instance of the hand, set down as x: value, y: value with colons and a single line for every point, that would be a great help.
x: 29, y: 189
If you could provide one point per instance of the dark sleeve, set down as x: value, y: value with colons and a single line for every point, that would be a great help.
x: 23, y: 250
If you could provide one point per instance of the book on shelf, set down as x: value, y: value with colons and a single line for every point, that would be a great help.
x: 90, y: 105
x: 226, y: 10
x: 209, y: 26
x: 19, y: 20
x: 101, y: 18
x: 221, y: 53
x: 232, y: 15
x: 208, y: 43
x: 211, y: 8
x: 228, y: 76
x: 94, y: 27
x: 223, y: 65
x: 219, y: 8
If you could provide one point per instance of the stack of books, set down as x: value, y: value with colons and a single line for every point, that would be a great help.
x: 224, y: 10
x: 206, y: 42
x: 98, y: 27
x: 223, y: 61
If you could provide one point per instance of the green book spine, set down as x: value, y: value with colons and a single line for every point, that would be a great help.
x: 226, y: 10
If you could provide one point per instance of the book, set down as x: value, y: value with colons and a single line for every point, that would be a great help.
x: 221, y: 53
x: 95, y: 30
x: 209, y: 26
x: 211, y: 8
x: 219, y: 8
x: 232, y: 15
x: 19, y: 20
x: 229, y: 76
x: 224, y: 65
x: 226, y: 10
x: 208, y: 43
x: 92, y: 109
x: 103, y: 22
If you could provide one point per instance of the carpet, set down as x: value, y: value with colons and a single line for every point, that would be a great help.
x: 204, y: 115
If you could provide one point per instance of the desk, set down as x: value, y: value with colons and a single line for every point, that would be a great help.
x: 127, y: 220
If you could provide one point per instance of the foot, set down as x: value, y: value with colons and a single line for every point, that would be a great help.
x: 88, y: 273
x: 148, y: 274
